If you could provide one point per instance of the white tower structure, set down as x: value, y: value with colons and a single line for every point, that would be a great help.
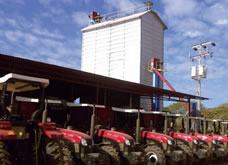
x: 123, y: 47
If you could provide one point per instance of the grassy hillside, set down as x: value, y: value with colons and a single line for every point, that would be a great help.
x: 220, y: 112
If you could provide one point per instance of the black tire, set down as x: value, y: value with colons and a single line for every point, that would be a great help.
x: 189, y: 154
x: 67, y: 154
x: 154, y: 155
x: 209, y: 159
x: 106, y: 160
x: 4, y: 154
x: 57, y: 153
x: 113, y: 154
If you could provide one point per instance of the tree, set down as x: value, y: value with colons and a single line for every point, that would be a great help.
x: 176, y: 108
x: 220, y: 112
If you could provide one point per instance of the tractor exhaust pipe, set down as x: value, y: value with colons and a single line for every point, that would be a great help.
x: 204, y: 126
x: 223, y: 129
x: 166, y: 125
x: 92, y: 122
x: 187, y: 125
x: 45, y: 113
x: 137, y: 134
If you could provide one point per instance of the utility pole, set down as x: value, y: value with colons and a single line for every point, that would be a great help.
x: 200, y: 71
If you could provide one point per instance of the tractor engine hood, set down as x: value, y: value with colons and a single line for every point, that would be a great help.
x: 218, y: 137
x: 202, y: 137
x: 156, y: 136
x: 74, y: 136
x: 114, y: 135
x: 182, y: 136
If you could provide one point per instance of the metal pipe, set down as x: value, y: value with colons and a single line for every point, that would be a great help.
x: 204, y: 126
x: 137, y: 133
x: 45, y: 113
x: 92, y: 122
x: 170, y: 87
x: 223, y: 129
x: 166, y: 125
x: 3, y: 111
x: 187, y: 125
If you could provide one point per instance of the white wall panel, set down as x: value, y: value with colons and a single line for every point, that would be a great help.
x: 123, y: 50
x: 152, y: 46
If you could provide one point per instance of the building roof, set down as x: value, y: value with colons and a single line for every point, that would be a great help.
x: 10, y: 64
x: 123, y: 19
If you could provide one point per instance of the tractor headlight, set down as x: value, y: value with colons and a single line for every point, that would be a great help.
x: 195, y: 141
x: 213, y: 141
x: 127, y: 142
x: 84, y: 142
x: 48, y: 119
x: 170, y: 142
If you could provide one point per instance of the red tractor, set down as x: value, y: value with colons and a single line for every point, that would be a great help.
x: 216, y: 146
x: 201, y: 154
x: 82, y: 145
x: 215, y: 132
x: 224, y: 130
x: 120, y: 146
x: 24, y: 138
x: 157, y: 146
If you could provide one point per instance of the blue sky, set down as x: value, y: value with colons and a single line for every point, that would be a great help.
x: 49, y: 31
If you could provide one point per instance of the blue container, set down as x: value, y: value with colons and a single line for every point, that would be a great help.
x: 194, y: 109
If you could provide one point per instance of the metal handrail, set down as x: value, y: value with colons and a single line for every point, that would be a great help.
x: 121, y: 13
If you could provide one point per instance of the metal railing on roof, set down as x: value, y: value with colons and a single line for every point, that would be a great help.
x: 123, y: 13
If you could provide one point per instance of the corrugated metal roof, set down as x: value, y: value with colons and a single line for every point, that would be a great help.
x: 53, y: 72
x: 123, y: 19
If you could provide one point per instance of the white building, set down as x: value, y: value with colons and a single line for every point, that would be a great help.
x: 122, y: 48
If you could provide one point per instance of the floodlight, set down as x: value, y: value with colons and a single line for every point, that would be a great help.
x: 149, y: 4
x: 195, y: 48
x: 204, y: 46
x: 213, y: 44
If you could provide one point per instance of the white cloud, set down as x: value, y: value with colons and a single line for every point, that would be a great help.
x: 68, y: 1
x: 86, y: 1
x: 12, y: 22
x: 46, y: 33
x: 216, y: 14
x: 12, y: 1
x: 193, y: 34
x: 56, y: 11
x: 80, y: 18
x: 13, y: 35
x: 45, y: 2
x: 30, y: 39
x: 222, y: 22
x: 119, y: 4
x: 2, y: 21
x: 48, y: 2
x: 180, y: 8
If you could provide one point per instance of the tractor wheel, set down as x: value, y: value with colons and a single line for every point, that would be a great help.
x: 4, y: 154
x: 113, y: 154
x: 105, y: 160
x: 155, y: 155
x: 58, y: 153
x: 188, y: 152
x: 209, y: 159
x: 68, y: 158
